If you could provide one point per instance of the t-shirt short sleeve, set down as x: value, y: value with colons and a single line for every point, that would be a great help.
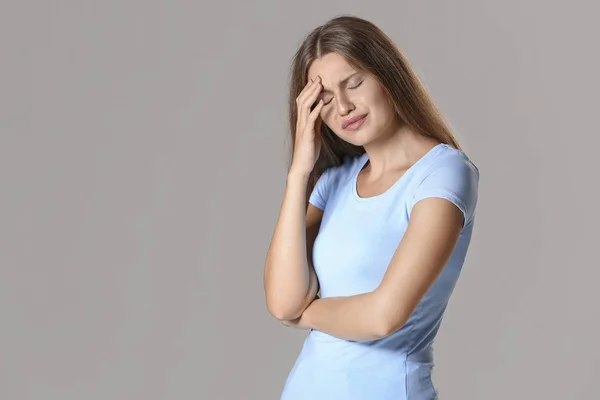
x: 456, y: 179
x: 320, y: 192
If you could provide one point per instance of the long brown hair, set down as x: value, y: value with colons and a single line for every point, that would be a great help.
x: 366, y: 48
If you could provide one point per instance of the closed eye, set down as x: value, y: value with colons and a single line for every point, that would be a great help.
x: 353, y: 87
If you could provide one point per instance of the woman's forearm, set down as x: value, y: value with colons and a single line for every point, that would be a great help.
x: 290, y: 285
x: 351, y: 318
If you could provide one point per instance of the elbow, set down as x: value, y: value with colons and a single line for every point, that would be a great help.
x: 287, y: 305
x: 281, y: 311
x: 386, y: 326
x: 282, y: 314
x: 388, y: 319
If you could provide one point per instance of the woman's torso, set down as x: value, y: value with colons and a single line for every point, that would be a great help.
x: 356, y: 241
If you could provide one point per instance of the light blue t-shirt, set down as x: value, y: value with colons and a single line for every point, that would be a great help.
x: 356, y: 241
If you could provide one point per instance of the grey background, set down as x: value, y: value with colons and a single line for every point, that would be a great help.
x: 142, y: 167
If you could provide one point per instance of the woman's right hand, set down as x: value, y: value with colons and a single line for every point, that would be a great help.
x: 308, y: 141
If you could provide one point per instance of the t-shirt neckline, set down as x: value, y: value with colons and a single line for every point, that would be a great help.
x: 363, y: 160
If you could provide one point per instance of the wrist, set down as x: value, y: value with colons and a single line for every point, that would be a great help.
x: 297, y: 174
x: 307, y: 316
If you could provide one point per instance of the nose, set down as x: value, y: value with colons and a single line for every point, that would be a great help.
x: 344, y: 105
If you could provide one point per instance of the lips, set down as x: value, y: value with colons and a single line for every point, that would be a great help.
x: 350, y: 121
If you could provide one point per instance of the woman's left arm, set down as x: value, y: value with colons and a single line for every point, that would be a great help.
x: 433, y: 230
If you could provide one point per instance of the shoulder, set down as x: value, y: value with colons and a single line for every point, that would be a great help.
x: 347, y: 167
x: 330, y: 180
x: 453, y: 176
x: 450, y: 168
x: 451, y: 160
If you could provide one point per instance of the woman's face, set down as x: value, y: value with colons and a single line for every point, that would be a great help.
x: 349, y: 93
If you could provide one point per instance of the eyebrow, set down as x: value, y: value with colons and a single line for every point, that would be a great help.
x: 342, y: 82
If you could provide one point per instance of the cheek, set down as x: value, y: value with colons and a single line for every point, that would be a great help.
x: 328, y: 115
x: 329, y: 118
x: 378, y: 100
x: 383, y: 108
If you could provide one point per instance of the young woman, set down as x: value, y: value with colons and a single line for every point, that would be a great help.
x: 377, y: 216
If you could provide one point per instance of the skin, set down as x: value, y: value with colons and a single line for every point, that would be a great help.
x: 434, y: 227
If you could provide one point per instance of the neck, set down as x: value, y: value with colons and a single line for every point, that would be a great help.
x: 397, y: 150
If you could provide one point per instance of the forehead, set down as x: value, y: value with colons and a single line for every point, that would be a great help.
x: 331, y: 68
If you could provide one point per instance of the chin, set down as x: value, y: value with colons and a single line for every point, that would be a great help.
x: 356, y: 140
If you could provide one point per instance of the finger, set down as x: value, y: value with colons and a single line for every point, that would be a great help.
x: 314, y: 114
x: 308, y: 104
x: 310, y: 84
x: 310, y: 96
x: 306, y: 87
